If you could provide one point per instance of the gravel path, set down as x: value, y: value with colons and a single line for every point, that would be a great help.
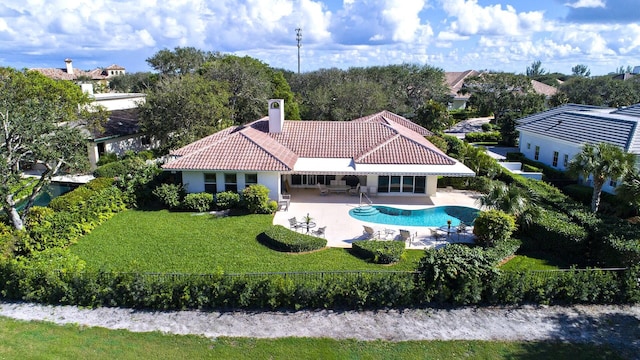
x: 615, y: 325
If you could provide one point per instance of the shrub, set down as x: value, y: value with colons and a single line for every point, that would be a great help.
x: 107, y: 158
x: 492, y: 226
x: 282, y: 239
x: 198, y: 202
x: 171, y: 195
x: 530, y: 168
x: 455, y: 274
x: 491, y: 136
x: 80, y: 195
x: 554, y: 232
x: 227, y: 200
x: 379, y: 252
x: 256, y: 199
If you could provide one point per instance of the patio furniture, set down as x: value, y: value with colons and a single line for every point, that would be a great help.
x: 370, y: 233
x: 388, y: 233
x: 355, y: 191
x: 284, y: 201
x: 405, y: 235
x: 435, y: 234
x: 323, y: 189
x: 319, y: 232
x: 306, y: 225
x: 447, y: 229
x: 293, y: 223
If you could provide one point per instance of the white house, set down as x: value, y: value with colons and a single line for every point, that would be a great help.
x: 383, y: 152
x: 555, y: 136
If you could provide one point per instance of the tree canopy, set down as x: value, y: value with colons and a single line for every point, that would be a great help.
x: 598, y: 91
x: 38, y: 131
x: 601, y: 162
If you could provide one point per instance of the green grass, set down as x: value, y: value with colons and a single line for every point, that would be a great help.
x: 167, y: 242
x: 522, y: 262
x: 38, y: 340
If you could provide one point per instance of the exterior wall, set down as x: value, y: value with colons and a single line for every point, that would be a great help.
x: 432, y: 185
x: 117, y: 145
x: 119, y: 101
x: 528, y: 143
x: 458, y: 104
x: 194, y: 181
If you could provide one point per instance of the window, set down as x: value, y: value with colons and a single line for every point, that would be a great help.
x: 402, y: 184
x: 250, y: 179
x: 555, y: 158
x: 528, y: 146
x: 613, y: 183
x: 565, y: 162
x: 210, y: 183
x: 230, y: 182
x: 536, y: 156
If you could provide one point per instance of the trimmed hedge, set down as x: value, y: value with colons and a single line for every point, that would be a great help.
x: 379, y: 252
x: 199, y: 202
x: 282, y: 239
x: 490, y: 136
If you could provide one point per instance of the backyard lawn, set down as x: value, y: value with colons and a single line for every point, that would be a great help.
x: 29, y: 340
x: 175, y: 242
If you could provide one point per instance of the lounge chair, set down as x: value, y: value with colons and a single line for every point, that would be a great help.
x: 319, y: 232
x: 370, y: 233
x: 405, y: 235
x: 294, y: 224
x: 323, y: 189
x: 355, y: 191
x: 435, y: 234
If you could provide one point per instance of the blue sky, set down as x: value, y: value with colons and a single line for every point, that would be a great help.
x: 454, y: 35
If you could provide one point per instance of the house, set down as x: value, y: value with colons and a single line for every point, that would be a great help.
x: 455, y: 81
x: 382, y: 152
x: 555, y: 136
x: 98, y: 77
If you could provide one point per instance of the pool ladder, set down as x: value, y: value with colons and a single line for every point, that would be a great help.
x: 367, y: 209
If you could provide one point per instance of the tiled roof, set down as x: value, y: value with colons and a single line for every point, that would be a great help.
x: 61, y: 74
x: 543, y: 89
x: 377, y: 139
x: 580, y: 124
x: 455, y: 80
x: 389, y: 118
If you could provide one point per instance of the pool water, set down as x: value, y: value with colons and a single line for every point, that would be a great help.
x: 435, y: 216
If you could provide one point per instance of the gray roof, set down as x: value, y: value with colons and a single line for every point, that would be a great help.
x: 582, y: 124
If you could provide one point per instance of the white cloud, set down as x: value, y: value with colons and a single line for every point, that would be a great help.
x: 587, y: 4
x: 472, y: 19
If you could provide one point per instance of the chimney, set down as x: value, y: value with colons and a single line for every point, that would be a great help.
x: 69, y: 66
x: 276, y: 115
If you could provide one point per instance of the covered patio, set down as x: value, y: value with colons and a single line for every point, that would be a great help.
x: 342, y: 230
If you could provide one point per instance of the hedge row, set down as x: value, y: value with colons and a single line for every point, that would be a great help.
x: 378, y: 251
x: 40, y: 281
x: 280, y: 238
x: 490, y: 136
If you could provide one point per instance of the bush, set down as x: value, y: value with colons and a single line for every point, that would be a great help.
x: 170, y: 195
x: 227, y: 200
x: 493, y: 226
x: 379, y: 252
x: 80, y: 195
x: 475, y: 137
x: 282, y: 239
x: 200, y: 202
x: 530, y: 168
x: 107, y: 158
x: 256, y: 199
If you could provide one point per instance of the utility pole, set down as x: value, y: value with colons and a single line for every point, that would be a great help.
x: 299, y: 40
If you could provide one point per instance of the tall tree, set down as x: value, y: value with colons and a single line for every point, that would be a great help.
x: 601, y: 162
x: 433, y: 116
x: 182, y: 109
x: 180, y: 61
x: 513, y: 200
x: 507, y: 96
x: 535, y: 69
x: 37, y: 114
x: 599, y: 91
x: 139, y: 82
x: 581, y: 71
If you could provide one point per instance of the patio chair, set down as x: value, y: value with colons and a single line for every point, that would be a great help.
x: 370, y: 233
x: 323, y: 189
x: 294, y: 224
x: 435, y: 234
x: 355, y: 191
x: 406, y: 236
x: 461, y: 229
x: 319, y: 232
x: 284, y: 201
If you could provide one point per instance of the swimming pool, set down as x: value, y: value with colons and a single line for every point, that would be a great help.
x: 435, y: 216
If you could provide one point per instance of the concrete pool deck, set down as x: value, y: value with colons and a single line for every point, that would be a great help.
x: 342, y: 230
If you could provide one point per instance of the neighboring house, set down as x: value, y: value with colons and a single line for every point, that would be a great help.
x: 382, y: 152
x: 455, y: 81
x: 98, y: 75
x: 555, y: 136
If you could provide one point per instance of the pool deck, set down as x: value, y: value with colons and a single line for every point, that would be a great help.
x: 342, y: 230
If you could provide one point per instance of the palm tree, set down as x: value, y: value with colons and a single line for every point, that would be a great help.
x: 602, y: 161
x: 512, y: 200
